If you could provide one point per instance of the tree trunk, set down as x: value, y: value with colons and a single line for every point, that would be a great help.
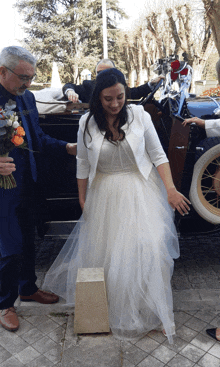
x: 212, y: 9
x: 131, y: 78
x: 76, y: 73
x: 199, y: 64
x: 139, y: 68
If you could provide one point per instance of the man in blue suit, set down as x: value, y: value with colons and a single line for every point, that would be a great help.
x: 17, y: 252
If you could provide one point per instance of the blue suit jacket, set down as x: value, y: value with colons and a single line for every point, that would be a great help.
x: 10, y: 234
x: 85, y: 90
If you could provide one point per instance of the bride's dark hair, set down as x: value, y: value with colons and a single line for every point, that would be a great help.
x: 105, y: 79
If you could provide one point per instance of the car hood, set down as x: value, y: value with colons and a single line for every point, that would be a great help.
x: 204, y: 107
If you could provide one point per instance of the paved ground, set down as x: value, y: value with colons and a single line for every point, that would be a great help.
x: 45, y: 337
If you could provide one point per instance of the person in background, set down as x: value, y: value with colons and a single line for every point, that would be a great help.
x: 17, y: 221
x: 212, y: 128
x: 83, y: 92
x: 128, y: 199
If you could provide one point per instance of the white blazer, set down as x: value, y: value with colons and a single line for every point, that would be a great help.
x: 212, y: 128
x: 140, y: 135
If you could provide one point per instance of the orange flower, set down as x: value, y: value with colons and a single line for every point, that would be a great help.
x: 20, y: 131
x: 212, y: 92
x: 17, y: 140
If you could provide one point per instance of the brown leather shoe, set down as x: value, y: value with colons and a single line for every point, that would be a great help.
x: 41, y: 297
x: 9, y: 319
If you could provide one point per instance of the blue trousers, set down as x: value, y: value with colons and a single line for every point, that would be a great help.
x: 17, y: 271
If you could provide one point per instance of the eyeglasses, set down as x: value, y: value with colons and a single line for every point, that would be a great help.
x: 24, y: 78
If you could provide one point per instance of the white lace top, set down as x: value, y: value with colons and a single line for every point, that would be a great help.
x: 117, y: 157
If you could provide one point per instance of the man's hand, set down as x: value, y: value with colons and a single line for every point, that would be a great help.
x: 196, y: 120
x: 157, y: 79
x: 71, y: 148
x: 72, y: 96
x: 6, y: 166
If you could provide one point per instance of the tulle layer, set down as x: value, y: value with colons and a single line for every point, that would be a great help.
x: 127, y: 228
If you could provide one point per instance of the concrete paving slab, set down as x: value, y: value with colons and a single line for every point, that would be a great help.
x: 46, y: 336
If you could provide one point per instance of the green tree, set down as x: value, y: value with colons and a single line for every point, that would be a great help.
x: 69, y: 32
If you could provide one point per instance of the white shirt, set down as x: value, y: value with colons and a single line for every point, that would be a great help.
x: 212, y: 128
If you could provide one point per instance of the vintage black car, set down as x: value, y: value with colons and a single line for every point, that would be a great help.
x: 59, y: 208
x: 184, y: 147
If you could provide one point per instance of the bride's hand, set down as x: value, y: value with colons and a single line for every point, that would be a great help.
x: 178, y: 201
x: 82, y: 203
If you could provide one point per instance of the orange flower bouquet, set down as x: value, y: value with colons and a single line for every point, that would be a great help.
x: 11, y: 136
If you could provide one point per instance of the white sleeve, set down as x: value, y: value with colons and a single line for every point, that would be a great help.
x: 212, y: 128
x: 83, y: 165
x: 152, y: 142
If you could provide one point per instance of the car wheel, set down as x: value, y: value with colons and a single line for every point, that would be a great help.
x: 205, y: 187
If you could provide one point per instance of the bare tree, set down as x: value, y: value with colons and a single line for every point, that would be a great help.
x: 169, y: 27
x: 212, y: 12
x: 125, y: 43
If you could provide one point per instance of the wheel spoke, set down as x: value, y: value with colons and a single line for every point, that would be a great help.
x: 206, y: 182
x: 207, y: 190
x: 205, y: 176
x: 214, y: 202
x: 215, y: 163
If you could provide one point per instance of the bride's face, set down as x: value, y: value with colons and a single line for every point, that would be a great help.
x: 113, y: 99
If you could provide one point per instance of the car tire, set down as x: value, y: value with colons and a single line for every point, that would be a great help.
x: 205, y: 187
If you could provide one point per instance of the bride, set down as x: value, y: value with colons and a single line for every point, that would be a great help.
x: 128, y: 200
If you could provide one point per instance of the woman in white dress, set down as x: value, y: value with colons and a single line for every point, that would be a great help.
x: 128, y: 199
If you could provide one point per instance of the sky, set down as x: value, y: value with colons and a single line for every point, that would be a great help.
x: 10, y: 29
x: 11, y: 21
x: 132, y: 9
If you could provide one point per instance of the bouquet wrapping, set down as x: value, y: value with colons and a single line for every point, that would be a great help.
x: 11, y: 136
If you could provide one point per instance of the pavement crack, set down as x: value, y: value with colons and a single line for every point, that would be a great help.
x: 78, y: 339
x: 63, y: 338
x: 121, y: 355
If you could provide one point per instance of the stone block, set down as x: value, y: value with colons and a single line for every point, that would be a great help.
x: 202, y: 85
x: 91, y: 308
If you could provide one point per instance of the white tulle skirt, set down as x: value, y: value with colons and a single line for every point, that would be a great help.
x: 127, y: 228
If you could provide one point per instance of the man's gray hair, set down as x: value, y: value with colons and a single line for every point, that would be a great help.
x: 217, y: 66
x: 10, y: 56
x: 105, y: 62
